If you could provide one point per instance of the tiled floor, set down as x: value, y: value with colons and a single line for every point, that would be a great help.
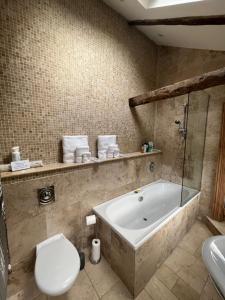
x: 182, y: 276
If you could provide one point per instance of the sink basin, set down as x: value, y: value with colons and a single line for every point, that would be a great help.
x: 213, y: 254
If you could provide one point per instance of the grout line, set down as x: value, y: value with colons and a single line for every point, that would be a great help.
x: 173, y: 286
x: 204, y: 285
x: 109, y: 289
x: 92, y: 284
x: 172, y: 272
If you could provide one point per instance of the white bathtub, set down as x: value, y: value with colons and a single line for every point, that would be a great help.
x: 136, y: 216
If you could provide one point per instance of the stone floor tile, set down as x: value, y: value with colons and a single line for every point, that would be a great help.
x: 198, y: 253
x: 101, y: 276
x: 118, y: 292
x: 82, y: 290
x: 195, y: 237
x: 179, y: 259
x: 209, y: 292
x: 194, y: 275
x: 143, y: 296
x: 158, y: 291
x: 184, y: 292
x: 166, y: 276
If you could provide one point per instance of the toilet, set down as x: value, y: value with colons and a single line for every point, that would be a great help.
x: 57, y: 265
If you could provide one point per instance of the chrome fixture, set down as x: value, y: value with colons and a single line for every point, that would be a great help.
x: 46, y: 195
x: 141, y: 198
x: 183, y: 127
x: 152, y: 166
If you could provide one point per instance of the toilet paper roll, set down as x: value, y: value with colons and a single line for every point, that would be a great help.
x: 95, y: 251
x: 90, y: 220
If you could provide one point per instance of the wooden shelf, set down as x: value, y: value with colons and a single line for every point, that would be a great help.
x: 68, y: 166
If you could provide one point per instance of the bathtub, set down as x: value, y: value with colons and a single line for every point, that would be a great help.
x: 136, y: 216
x: 140, y: 229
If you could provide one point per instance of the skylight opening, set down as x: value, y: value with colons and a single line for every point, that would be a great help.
x: 148, y: 4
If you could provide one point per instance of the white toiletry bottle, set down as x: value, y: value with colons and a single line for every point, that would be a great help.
x: 16, y: 153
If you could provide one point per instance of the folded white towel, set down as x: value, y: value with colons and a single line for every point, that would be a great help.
x: 105, y: 140
x: 70, y: 143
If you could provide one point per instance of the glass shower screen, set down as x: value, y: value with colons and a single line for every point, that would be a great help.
x: 196, y: 123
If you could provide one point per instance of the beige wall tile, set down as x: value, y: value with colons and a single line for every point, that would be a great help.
x: 168, y: 72
x: 122, y: 260
x: 65, y: 220
x: 24, y: 236
x: 103, y: 231
x: 21, y: 285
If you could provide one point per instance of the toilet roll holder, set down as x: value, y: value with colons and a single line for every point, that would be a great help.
x: 91, y: 220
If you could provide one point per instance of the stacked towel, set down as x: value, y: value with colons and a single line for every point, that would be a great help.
x: 70, y: 143
x: 104, y: 141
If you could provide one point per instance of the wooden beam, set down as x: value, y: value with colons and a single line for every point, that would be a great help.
x: 187, y: 21
x: 218, y: 201
x: 197, y: 83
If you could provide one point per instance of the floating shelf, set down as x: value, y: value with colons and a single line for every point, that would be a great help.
x: 68, y: 166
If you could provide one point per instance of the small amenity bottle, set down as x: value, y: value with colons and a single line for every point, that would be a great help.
x: 16, y: 153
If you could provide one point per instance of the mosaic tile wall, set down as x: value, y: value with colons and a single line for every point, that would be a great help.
x: 172, y: 67
x: 68, y: 67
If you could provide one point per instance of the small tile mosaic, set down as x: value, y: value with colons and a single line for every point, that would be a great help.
x: 66, y: 68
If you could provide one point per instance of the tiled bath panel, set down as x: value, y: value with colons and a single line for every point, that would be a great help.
x: 77, y: 192
x: 135, y: 267
x: 182, y: 276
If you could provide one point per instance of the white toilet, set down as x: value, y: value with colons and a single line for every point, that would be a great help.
x: 57, y: 265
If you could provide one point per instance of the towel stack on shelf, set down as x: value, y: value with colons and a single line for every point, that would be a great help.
x: 107, y: 146
x: 74, y: 147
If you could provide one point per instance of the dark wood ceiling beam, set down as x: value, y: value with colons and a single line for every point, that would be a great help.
x: 196, y: 83
x: 187, y: 21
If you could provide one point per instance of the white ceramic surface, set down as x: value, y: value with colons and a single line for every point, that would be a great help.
x: 57, y: 265
x: 213, y: 254
x: 134, y: 219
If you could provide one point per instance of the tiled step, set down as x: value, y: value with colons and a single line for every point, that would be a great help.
x: 215, y: 227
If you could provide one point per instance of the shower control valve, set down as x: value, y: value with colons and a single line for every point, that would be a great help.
x: 141, y: 198
x: 152, y: 166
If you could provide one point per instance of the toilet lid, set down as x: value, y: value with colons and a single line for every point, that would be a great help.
x: 57, y: 266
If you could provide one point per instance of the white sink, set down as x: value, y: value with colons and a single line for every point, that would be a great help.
x: 213, y: 254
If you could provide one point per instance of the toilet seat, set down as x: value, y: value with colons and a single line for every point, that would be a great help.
x: 57, y: 265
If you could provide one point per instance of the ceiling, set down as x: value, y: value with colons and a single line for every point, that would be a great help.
x: 197, y: 37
